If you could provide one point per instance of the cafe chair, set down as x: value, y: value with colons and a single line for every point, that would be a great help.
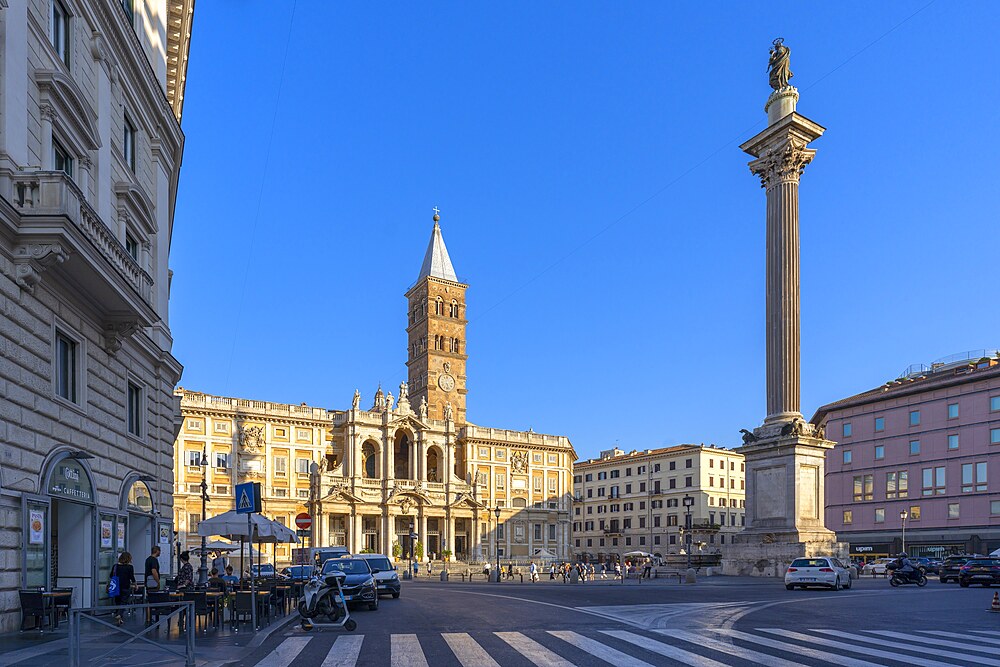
x: 33, y: 607
x: 61, y: 605
x: 242, y: 608
x: 201, y: 609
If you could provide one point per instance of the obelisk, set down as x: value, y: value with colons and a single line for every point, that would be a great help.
x: 785, y: 457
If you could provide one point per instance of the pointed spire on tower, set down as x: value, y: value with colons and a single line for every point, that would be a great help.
x: 437, y: 263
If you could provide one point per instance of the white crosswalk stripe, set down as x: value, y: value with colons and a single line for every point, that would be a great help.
x: 533, y: 651
x: 345, y: 651
x: 720, y: 647
x: 468, y: 651
x: 406, y: 652
x: 285, y: 653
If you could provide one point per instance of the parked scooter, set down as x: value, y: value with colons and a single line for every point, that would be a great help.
x: 323, y: 603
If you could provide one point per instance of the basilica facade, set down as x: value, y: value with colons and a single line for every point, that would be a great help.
x: 406, y: 464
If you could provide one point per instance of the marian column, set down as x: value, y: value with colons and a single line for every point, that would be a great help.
x: 785, y: 456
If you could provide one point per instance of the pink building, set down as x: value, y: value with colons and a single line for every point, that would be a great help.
x: 924, y: 451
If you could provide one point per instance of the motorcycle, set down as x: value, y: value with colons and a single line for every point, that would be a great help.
x: 900, y: 578
x: 323, y: 603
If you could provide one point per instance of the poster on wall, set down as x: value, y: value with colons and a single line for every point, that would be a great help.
x: 36, y: 522
x: 121, y: 535
x: 164, y: 534
x: 106, y: 527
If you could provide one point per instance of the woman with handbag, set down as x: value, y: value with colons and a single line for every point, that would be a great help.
x: 121, y: 583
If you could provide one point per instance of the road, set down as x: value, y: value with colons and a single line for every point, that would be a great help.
x: 719, y: 621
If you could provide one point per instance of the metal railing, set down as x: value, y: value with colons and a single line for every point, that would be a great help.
x: 181, y: 609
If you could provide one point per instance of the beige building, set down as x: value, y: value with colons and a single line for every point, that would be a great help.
x: 408, y: 463
x: 635, y: 501
x: 90, y: 150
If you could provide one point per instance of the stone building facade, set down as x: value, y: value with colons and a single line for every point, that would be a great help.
x: 923, y: 451
x: 409, y: 463
x: 635, y: 501
x: 90, y: 149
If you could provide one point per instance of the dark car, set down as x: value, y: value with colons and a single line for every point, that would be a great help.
x: 985, y: 571
x: 949, y: 569
x: 359, y: 583
x: 926, y: 565
x: 299, y: 572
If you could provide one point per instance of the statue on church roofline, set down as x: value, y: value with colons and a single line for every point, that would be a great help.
x: 356, y: 403
x: 778, y: 65
x: 423, y: 408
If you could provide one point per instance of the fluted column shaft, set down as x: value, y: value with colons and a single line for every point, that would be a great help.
x: 783, y: 316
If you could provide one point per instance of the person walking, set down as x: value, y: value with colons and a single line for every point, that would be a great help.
x: 486, y: 569
x: 604, y: 571
x: 185, y: 575
x: 219, y: 562
x: 534, y: 572
x: 618, y: 570
x: 151, y: 571
x: 552, y: 572
x: 510, y: 571
x: 647, y: 569
x: 126, y: 582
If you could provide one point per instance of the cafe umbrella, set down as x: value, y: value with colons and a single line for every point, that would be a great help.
x: 233, y: 526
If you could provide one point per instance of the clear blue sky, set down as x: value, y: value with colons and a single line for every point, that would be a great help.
x: 585, y: 159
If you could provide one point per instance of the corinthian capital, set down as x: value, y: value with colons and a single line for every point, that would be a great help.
x: 782, y: 163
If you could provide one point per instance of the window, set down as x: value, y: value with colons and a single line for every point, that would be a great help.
x: 536, y: 484
x: 953, y: 511
x: 280, y: 466
x: 848, y: 517
x: 67, y: 369
x: 590, y: 493
x: 981, y: 476
x: 914, y: 447
x: 879, y: 452
x: 279, y: 492
x: 995, y: 507
x: 131, y: 246
x: 973, y: 477
x: 953, y: 411
x: 847, y: 456
x: 994, y: 403
x: 61, y: 159
x: 128, y: 144
x: 193, y: 458
x: 688, y: 481
x: 577, y: 479
x: 602, y: 475
x: 222, y: 490
x: 628, y: 488
x: 879, y: 424
x: 914, y: 417
x: 880, y: 515
x: 863, y: 487
x: 642, y: 487
x: 501, y: 481
x: 995, y: 436
x: 302, y: 466
x: 133, y: 401
x: 59, y: 31
x: 688, y: 463
x: 673, y: 483
x: 615, y: 474
x: 536, y: 458
x: 552, y: 531
x: 537, y: 530
x: 589, y: 477
x: 933, y: 481
x: 914, y: 512
x: 711, y: 463
x: 501, y: 454
x: 303, y: 493
x: 222, y: 460
x: 847, y: 433
x: 967, y: 485
x: 953, y: 441
x: 896, y: 485
x: 193, y: 521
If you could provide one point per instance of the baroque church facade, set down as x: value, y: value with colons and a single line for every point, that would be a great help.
x: 408, y: 464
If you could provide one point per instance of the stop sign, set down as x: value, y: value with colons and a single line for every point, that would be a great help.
x: 303, y: 521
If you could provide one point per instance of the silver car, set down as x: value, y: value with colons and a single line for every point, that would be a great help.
x: 386, y: 577
x: 817, y: 571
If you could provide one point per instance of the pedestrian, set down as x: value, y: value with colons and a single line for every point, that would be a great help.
x: 416, y: 567
x: 647, y: 569
x: 534, y: 572
x: 552, y: 571
x: 593, y: 571
x: 618, y: 570
x: 510, y: 570
x: 185, y: 575
x: 151, y: 571
x: 125, y: 573
x: 604, y: 571
x: 219, y: 562
x: 486, y: 569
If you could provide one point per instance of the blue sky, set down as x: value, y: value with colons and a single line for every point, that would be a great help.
x: 585, y: 158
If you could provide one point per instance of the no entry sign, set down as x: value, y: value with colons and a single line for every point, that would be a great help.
x: 303, y: 521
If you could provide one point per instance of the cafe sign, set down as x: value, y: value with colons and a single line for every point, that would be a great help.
x: 70, y: 480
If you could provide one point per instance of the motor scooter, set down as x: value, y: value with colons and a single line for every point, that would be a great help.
x: 323, y: 603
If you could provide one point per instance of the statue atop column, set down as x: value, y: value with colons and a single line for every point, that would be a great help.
x: 778, y: 65
x: 356, y: 403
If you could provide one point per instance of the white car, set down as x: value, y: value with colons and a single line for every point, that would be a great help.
x: 386, y: 577
x: 877, y: 566
x: 817, y: 571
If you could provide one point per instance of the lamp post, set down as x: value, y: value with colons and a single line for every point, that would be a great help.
x: 203, y: 569
x: 496, y: 537
x: 688, y: 503
x: 903, y: 515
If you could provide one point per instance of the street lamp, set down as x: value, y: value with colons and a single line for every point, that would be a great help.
x: 688, y: 503
x: 203, y: 570
x: 903, y: 514
x: 496, y: 537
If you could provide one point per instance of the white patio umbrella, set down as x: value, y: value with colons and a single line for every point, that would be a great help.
x: 234, y: 526
x: 217, y: 545
x: 638, y: 554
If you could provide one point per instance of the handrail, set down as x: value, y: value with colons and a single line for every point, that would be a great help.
x: 180, y: 607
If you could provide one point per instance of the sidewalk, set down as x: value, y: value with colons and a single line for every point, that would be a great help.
x: 213, y: 647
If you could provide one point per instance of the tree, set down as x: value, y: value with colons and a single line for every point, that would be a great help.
x: 418, y: 550
x: 397, y: 550
x: 446, y: 554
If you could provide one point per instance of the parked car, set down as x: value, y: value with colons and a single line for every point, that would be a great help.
x: 877, y: 566
x: 949, y: 570
x: 299, y: 572
x: 925, y: 565
x: 386, y: 578
x: 265, y: 570
x: 985, y: 571
x: 819, y: 571
x: 359, y: 584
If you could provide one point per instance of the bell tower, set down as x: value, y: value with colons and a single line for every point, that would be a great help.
x: 436, y: 333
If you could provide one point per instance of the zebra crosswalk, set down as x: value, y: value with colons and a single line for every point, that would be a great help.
x: 721, y: 647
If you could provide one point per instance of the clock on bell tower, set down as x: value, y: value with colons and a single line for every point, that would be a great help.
x: 436, y: 331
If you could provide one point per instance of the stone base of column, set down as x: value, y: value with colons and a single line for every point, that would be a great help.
x: 769, y: 554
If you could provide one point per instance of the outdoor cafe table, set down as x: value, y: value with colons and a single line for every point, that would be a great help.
x: 53, y: 599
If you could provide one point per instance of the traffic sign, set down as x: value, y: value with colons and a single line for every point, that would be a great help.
x: 303, y: 521
x: 303, y: 533
x: 248, y: 498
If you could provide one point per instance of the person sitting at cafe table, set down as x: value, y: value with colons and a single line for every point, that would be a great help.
x: 215, y: 581
x: 185, y: 576
x: 229, y: 577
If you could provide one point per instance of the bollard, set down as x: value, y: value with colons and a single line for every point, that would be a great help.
x: 495, y: 576
x: 444, y: 575
x: 690, y: 577
x: 574, y: 576
x: 407, y: 574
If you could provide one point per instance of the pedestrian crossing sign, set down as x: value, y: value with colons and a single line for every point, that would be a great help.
x: 248, y: 498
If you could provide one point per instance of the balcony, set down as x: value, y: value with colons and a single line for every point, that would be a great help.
x: 59, y: 234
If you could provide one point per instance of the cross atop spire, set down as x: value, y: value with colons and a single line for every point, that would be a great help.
x: 437, y: 263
